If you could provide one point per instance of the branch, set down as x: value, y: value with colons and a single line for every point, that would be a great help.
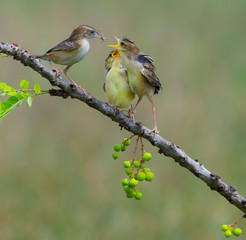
x: 167, y: 148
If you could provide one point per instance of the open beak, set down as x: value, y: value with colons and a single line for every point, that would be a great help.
x: 116, y: 53
x: 115, y: 46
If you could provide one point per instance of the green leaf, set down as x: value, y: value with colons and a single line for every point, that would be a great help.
x: 4, y: 106
x: 37, y: 88
x: 24, y: 84
x: 2, y: 85
x: 19, y: 96
x: 12, y: 100
x: 24, y: 95
x: 29, y: 101
x: 9, y: 91
x: 4, y: 55
x: 2, y: 94
x: 7, y: 88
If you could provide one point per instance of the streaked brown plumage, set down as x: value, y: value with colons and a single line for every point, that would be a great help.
x: 141, y: 72
x: 73, y: 49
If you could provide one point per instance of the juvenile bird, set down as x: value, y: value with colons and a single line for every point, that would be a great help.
x: 71, y: 50
x: 116, y: 85
x: 141, y: 72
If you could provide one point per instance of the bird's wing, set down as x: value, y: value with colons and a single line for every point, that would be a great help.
x: 147, y: 71
x: 66, y: 45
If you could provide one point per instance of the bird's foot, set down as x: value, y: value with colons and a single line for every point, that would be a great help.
x: 116, y: 110
x: 131, y: 113
x: 78, y: 86
x: 155, y: 131
x: 56, y: 71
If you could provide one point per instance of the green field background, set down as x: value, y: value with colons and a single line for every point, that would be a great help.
x: 57, y: 178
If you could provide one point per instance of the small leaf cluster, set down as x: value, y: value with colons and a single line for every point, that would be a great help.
x: 229, y: 230
x: 136, y: 171
x: 16, y: 97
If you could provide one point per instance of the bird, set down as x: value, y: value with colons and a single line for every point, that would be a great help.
x: 71, y: 50
x: 116, y: 84
x: 141, y: 72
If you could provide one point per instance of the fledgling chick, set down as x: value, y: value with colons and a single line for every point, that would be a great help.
x: 141, y: 72
x: 71, y: 50
x: 116, y: 85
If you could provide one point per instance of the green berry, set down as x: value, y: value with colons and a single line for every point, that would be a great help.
x: 230, y: 228
x: 126, y: 142
x: 237, y: 231
x: 128, y: 171
x: 141, y: 176
x: 115, y: 156
x: 124, y: 182
x: 143, y: 165
x: 137, y: 164
x: 147, y: 157
x: 224, y: 227
x: 139, y: 195
x: 227, y: 233
x: 123, y: 148
x: 126, y: 164
x: 117, y: 148
x: 149, y: 176
x: 147, y: 170
x: 129, y: 195
x: 133, y: 183
x: 127, y: 189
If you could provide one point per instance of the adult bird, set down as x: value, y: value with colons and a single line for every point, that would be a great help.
x: 71, y: 50
x: 141, y: 72
x: 116, y: 85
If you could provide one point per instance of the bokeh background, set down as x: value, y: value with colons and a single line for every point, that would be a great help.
x: 57, y: 177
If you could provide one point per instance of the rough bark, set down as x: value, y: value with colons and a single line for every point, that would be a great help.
x: 165, y: 147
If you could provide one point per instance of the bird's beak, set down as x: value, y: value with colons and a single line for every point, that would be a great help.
x: 115, y: 46
x: 100, y: 35
x: 116, y: 53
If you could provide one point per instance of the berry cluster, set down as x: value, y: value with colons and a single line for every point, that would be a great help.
x: 229, y: 230
x: 135, y: 170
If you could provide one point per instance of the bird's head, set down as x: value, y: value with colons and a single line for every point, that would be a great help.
x: 126, y: 46
x: 110, y: 59
x: 85, y: 31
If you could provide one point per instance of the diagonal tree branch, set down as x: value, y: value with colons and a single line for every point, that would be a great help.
x: 167, y: 148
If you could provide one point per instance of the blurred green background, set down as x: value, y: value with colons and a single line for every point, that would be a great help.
x: 57, y: 177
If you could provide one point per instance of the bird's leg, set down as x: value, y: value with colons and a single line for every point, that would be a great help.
x: 131, y: 113
x: 153, y: 111
x: 137, y: 104
x: 54, y: 69
x: 74, y: 83
x: 155, y: 128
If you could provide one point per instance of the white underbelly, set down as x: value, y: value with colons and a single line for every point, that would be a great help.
x: 75, y: 56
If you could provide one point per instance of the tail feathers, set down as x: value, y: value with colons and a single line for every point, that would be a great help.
x: 44, y: 56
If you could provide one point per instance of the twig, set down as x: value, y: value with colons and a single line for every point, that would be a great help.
x: 165, y: 147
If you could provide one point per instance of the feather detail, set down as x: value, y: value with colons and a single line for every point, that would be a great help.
x: 148, y: 71
x: 66, y: 45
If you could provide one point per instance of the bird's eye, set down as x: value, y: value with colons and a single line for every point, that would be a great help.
x: 92, y: 31
x: 122, y: 44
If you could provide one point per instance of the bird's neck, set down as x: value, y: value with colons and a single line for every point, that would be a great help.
x: 117, y: 63
x: 128, y: 60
